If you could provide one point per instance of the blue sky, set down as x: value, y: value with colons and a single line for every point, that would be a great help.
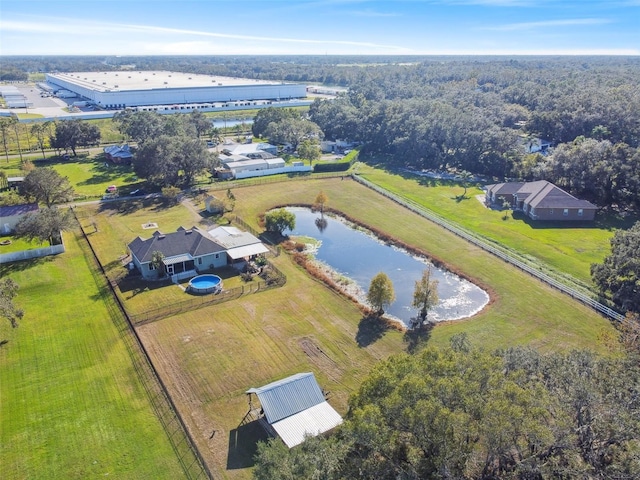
x: 238, y: 27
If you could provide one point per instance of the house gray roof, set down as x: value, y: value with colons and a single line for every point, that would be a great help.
x: 118, y: 151
x: 289, y: 396
x: 15, y: 210
x: 543, y: 194
x: 508, y: 188
x: 194, y: 242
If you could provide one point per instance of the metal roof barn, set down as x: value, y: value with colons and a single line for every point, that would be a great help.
x: 295, y: 407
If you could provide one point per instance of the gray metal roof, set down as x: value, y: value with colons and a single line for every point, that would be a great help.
x: 289, y: 396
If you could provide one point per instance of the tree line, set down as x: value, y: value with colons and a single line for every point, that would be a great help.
x: 461, y: 412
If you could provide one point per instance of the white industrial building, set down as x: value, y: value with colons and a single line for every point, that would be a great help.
x: 122, y: 89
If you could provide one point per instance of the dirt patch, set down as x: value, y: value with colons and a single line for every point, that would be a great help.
x: 319, y: 358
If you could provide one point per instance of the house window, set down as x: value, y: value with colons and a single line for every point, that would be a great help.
x: 200, y: 261
x: 580, y: 212
x: 152, y: 266
x: 551, y: 212
x: 565, y: 212
x: 217, y: 255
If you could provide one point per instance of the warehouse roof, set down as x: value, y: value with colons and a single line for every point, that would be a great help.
x: 151, y: 80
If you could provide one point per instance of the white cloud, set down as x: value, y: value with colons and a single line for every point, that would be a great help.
x: 548, y: 23
x: 373, y: 13
x: 70, y: 27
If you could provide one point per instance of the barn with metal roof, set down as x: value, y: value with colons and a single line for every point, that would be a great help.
x: 294, y: 408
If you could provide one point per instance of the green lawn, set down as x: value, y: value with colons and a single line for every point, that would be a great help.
x: 18, y: 244
x: 569, y: 248
x: 209, y: 357
x: 90, y: 175
x: 71, y: 403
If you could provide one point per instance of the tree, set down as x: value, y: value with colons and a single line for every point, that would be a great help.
x: 5, y: 125
x: 279, y: 220
x: 16, y: 130
x: 309, y: 149
x: 45, y: 225
x: 171, y: 193
x: 425, y: 295
x: 71, y: 134
x: 200, y: 122
x: 41, y: 131
x: 506, y: 205
x: 465, y: 180
x: 292, y: 131
x: 139, y: 126
x: 168, y: 160
x: 157, y: 263
x: 45, y: 185
x: 468, y: 413
x: 269, y: 115
x: 8, y: 310
x: 321, y: 200
x: 619, y: 275
x: 380, y: 293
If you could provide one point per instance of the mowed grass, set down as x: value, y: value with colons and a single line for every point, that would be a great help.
x: 71, y: 403
x: 90, y: 174
x: 118, y: 224
x: 565, y: 247
x: 209, y: 357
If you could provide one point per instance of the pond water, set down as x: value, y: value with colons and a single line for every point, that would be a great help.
x: 360, y: 256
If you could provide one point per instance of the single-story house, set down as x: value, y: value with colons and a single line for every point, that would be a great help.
x: 246, y: 148
x: 240, y: 246
x: 253, y: 165
x: 541, y: 200
x: 294, y: 408
x: 186, y: 252
x: 120, y: 154
x: 11, y: 215
x: 232, y: 158
x: 537, y: 145
x: 337, y: 146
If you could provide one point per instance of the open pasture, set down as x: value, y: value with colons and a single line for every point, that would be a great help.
x: 209, y: 357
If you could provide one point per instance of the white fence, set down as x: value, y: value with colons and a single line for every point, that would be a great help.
x: 420, y: 210
x: 273, y: 171
x: 29, y: 254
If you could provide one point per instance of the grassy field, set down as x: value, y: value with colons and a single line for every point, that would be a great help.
x: 88, y: 173
x: 71, y: 403
x: 569, y: 248
x: 211, y: 356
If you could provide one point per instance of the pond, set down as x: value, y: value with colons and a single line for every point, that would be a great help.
x: 359, y: 256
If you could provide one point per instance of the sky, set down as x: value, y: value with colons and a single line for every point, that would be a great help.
x: 320, y: 27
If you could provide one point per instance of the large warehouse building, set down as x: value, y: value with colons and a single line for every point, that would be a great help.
x: 122, y: 89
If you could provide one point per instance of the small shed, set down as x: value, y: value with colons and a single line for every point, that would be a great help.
x: 294, y: 408
x: 120, y: 154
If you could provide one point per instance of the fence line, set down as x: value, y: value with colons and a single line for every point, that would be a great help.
x: 183, y: 444
x: 420, y: 210
x: 274, y: 279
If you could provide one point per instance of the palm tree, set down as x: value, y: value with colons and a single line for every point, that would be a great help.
x: 465, y: 180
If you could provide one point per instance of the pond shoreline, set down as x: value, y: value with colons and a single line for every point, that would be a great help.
x: 304, y: 249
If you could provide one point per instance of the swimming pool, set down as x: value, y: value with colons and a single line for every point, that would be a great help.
x: 205, y: 284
